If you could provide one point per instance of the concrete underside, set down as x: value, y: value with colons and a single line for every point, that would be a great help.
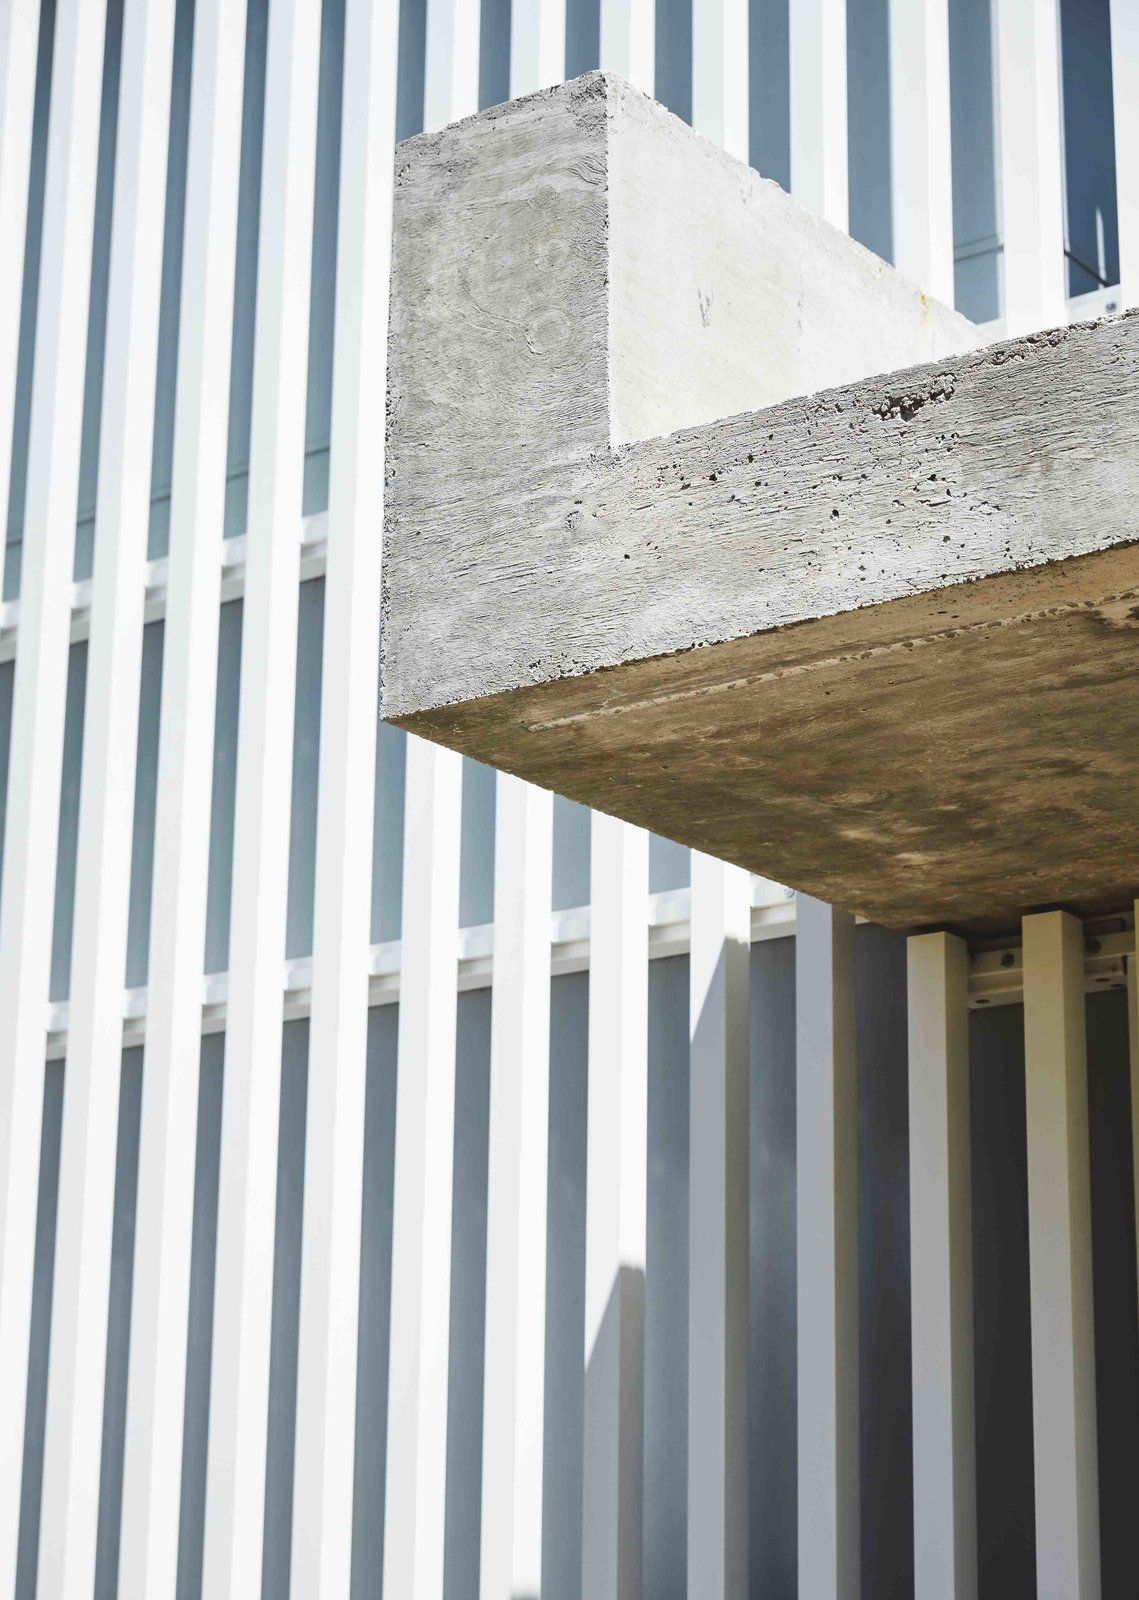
x: 875, y: 643
x: 952, y: 760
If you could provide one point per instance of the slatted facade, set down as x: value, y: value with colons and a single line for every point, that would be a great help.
x: 412, y: 1184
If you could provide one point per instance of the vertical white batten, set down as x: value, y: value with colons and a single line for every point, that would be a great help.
x: 239, y: 1382
x: 615, y: 1217
x: 1125, y: 101
x: 324, y: 1455
x: 921, y: 167
x: 941, y: 1269
x: 718, y: 1306
x: 88, y: 1143
x: 826, y: 1185
x: 418, y: 1366
x: 819, y: 172
x: 38, y: 704
x: 720, y: 73
x: 1060, y: 1260
x: 537, y: 45
x: 1030, y: 163
x: 514, y: 1368
x: 451, y: 62
x: 416, y: 1478
x: 152, y: 1463
x: 628, y: 40
x: 19, y: 41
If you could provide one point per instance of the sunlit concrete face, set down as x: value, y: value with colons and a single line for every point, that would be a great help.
x: 875, y: 642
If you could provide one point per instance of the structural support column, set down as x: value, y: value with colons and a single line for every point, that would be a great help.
x: 616, y: 1197
x: 941, y: 1270
x: 718, y: 1231
x: 1060, y: 1260
x: 827, y: 1230
x: 514, y: 1370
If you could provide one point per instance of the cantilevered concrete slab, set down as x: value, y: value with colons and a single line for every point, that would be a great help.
x: 878, y: 643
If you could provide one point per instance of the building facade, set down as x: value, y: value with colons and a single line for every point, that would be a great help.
x: 202, y: 1202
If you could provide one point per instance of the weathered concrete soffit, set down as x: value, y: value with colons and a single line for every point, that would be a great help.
x: 878, y: 643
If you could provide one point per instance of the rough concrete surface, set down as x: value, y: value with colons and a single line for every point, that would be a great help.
x: 873, y: 643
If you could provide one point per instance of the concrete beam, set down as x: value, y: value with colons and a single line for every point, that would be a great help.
x: 873, y: 643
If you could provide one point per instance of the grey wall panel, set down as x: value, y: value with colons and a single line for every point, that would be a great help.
x: 68, y: 837
x: 118, y: 1328
x: 220, y: 869
x: 33, y: 241
x: 565, y: 1289
x: 769, y: 129
x: 1089, y: 145
x: 476, y: 855
x: 772, y: 1421
x: 468, y: 1298
x: 1006, y: 1518
x: 97, y: 310
x: 145, y: 799
x: 666, y: 1286
x: 868, y: 123
x: 375, y: 1287
x: 387, y: 832
x: 36, y: 1405
x: 162, y: 453
x: 494, y: 53
x: 306, y: 761
x: 277, y: 1538
x: 884, y: 1265
x: 670, y: 864
x: 1113, y: 1273
x: 200, y: 1322
x: 571, y: 854
x: 976, y: 224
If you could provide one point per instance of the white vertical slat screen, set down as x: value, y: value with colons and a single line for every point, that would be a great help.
x: 239, y: 1381
x: 1030, y: 144
x: 616, y: 1201
x: 941, y: 1269
x: 628, y: 40
x: 36, y: 740
x: 537, y: 45
x: 19, y: 38
x: 1030, y: 158
x: 161, y: 1282
x: 514, y: 1358
x: 921, y: 168
x: 720, y: 72
x: 1066, y: 1471
x: 718, y: 1260
x: 718, y: 1230
x: 334, y: 1139
x: 418, y: 1368
x: 818, y: 108
x: 1125, y: 105
x: 826, y: 1220
x: 80, y: 1300
x: 415, y: 1503
x: 451, y: 62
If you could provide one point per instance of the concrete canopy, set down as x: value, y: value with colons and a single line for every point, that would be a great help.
x: 875, y: 641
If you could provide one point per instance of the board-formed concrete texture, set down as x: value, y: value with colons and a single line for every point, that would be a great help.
x: 876, y: 642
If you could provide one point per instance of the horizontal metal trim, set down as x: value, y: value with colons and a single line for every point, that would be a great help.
x: 996, y: 972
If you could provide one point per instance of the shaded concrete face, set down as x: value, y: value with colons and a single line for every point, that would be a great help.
x: 874, y: 643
